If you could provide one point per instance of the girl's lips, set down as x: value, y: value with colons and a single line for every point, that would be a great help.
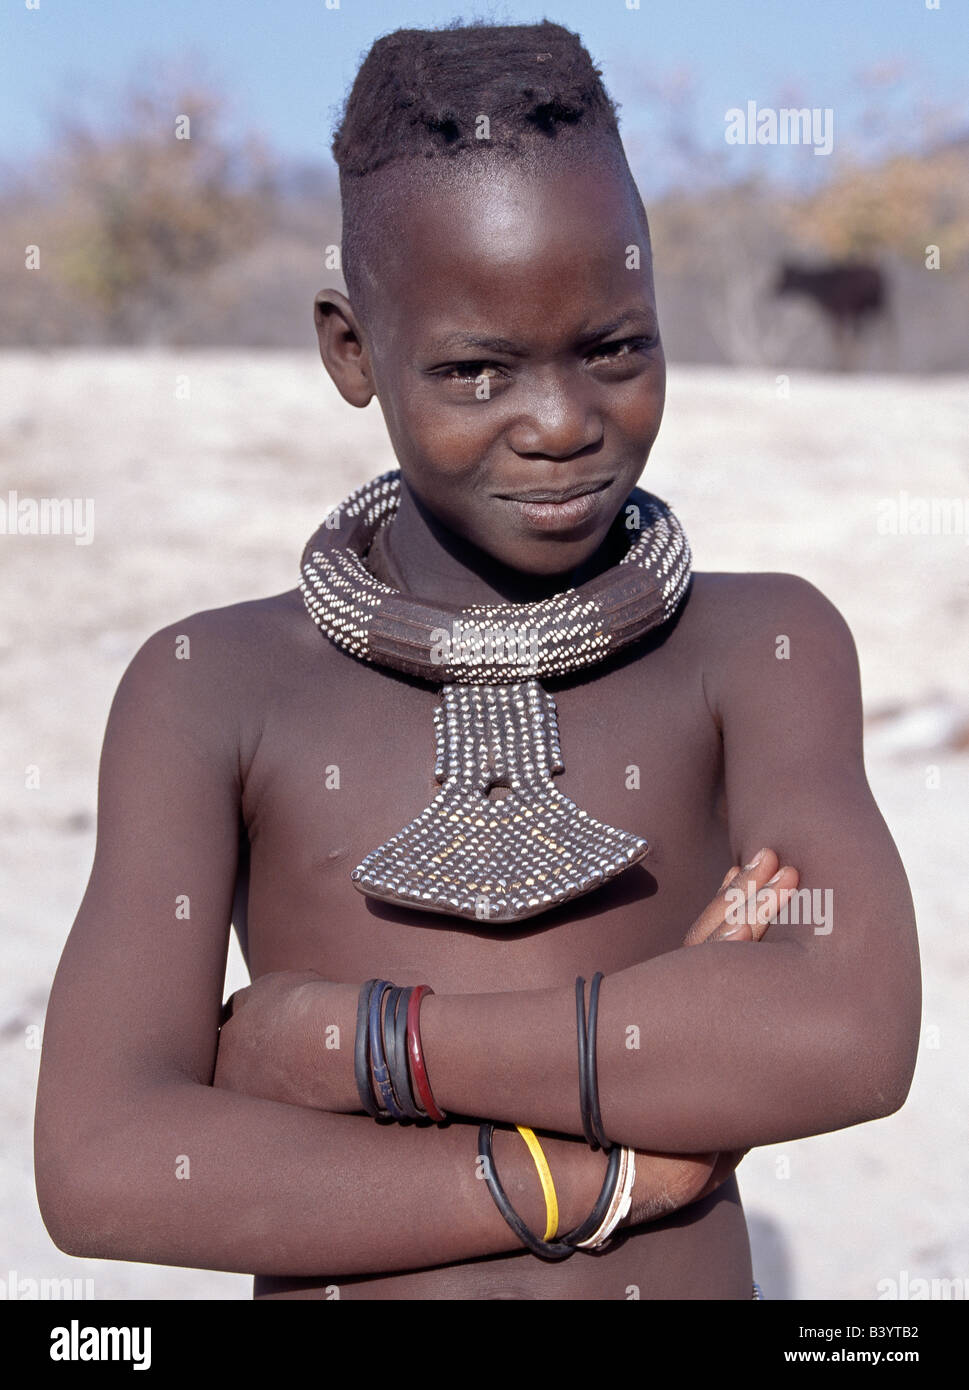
x: 559, y: 516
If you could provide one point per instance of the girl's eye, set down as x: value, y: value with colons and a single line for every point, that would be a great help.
x: 474, y: 372
x: 471, y: 371
x: 624, y: 348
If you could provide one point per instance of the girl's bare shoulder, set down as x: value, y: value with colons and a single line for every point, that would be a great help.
x: 208, y: 676
x: 727, y: 606
x: 774, y: 647
x: 240, y: 638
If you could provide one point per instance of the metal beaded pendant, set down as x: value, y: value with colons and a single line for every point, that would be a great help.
x: 466, y: 854
x: 507, y: 859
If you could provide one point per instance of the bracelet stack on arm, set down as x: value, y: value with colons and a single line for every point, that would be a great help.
x: 594, y: 1232
x: 615, y: 1198
x: 388, y: 1059
x: 392, y: 1082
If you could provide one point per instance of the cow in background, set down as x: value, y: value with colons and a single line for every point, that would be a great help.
x: 850, y: 294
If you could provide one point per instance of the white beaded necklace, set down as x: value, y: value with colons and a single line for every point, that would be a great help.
x: 502, y: 860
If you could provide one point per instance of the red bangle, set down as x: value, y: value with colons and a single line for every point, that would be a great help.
x: 416, y: 1055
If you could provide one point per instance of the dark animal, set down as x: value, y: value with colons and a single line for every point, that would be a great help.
x: 847, y: 292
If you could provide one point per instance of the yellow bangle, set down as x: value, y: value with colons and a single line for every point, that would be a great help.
x: 548, y: 1186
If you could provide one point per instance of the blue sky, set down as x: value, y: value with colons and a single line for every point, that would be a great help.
x: 285, y: 64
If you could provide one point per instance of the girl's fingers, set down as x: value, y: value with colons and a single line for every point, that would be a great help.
x: 747, y: 880
x: 750, y: 920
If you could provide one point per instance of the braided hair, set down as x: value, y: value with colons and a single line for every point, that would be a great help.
x: 454, y: 98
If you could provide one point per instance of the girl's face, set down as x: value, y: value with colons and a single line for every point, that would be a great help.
x: 516, y: 355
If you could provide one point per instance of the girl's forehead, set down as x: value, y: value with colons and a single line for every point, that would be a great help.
x: 519, y: 303
x: 538, y: 251
x: 516, y: 219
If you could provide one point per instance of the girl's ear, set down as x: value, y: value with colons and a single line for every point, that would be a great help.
x: 342, y: 347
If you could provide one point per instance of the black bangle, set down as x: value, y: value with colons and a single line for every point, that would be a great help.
x: 598, y: 1213
x: 387, y: 1035
x: 545, y: 1249
x: 378, y: 1058
x: 399, y: 1068
x: 361, y: 1052
x: 593, y: 1071
x: 580, y: 1029
x: 395, y: 1046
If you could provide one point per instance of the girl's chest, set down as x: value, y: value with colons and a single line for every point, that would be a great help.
x: 345, y: 763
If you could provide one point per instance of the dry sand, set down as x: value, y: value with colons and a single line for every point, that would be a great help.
x: 207, y: 500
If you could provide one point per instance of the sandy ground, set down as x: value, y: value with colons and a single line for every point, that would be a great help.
x: 262, y: 446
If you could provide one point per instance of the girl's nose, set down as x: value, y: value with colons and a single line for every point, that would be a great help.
x: 556, y: 419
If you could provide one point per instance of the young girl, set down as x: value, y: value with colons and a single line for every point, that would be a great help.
x: 612, y: 731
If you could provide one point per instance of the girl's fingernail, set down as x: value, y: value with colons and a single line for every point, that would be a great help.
x: 775, y: 878
x: 755, y: 861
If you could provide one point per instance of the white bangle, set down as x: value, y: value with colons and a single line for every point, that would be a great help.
x: 619, y: 1206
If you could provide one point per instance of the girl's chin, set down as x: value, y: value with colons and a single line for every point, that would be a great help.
x: 544, y: 560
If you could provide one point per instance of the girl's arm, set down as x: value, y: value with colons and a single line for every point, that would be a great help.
x: 815, y: 1029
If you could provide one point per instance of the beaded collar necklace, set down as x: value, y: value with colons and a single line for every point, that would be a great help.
x: 465, y: 854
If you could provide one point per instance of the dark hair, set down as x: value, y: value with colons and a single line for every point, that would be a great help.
x: 420, y: 93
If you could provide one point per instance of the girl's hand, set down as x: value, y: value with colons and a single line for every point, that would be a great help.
x: 666, y: 1182
x: 289, y: 1037
x: 729, y: 917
